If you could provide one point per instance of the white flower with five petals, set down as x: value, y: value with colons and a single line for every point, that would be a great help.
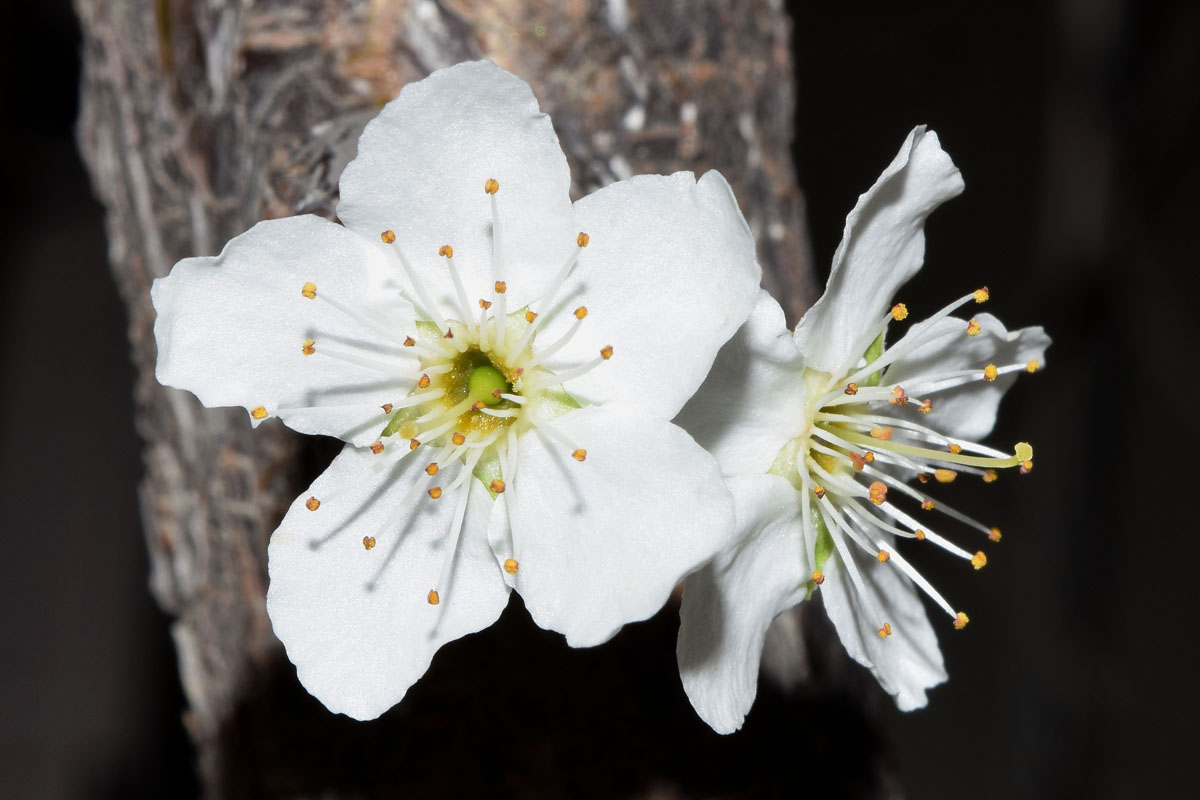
x: 503, y: 365
x: 820, y: 433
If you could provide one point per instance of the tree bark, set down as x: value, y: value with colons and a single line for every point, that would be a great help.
x: 201, y: 117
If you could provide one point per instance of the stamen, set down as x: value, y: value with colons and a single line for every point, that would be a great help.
x: 979, y: 560
x: 960, y: 621
x: 312, y: 504
x: 308, y: 347
x: 431, y: 310
x: 510, y: 566
x: 973, y: 328
x: 259, y: 412
x: 464, y: 306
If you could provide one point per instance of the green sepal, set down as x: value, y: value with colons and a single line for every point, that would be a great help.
x: 874, y: 352
x: 399, y: 419
x: 488, y: 470
x: 823, y: 549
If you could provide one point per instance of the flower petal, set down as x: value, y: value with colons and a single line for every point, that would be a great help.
x: 882, y: 247
x: 907, y: 662
x: 231, y: 328
x: 753, y: 401
x: 603, y: 542
x: 968, y: 411
x: 668, y: 276
x: 729, y: 604
x: 357, y: 649
x: 421, y: 169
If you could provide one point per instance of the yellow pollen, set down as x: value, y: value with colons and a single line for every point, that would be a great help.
x: 851, y: 388
x: 432, y: 598
x: 606, y: 352
x: 409, y: 341
x: 990, y: 476
x: 312, y: 504
x: 881, y: 432
x: 501, y: 287
x: 307, y: 348
x: 581, y: 312
x: 435, y: 492
x: 899, y: 311
x: 510, y: 566
x: 432, y: 469
x: 877, y: 491
x: 994, y: 535
x: 990, y: 372
x: 387, y: 408
x: 413, y: 444
x: 883, y: 556
x: 944, y: 475
x: 369, y: 542
x: 885, y: 631
x: 961, y: 620
x: 981, y: 295
x: 973, y: 328
x: 258, y: 412
x: 309, y: 290
x: 388, y: 237
x: 582, y: 239
x: 818, y: 577
x: 423, y: 382
x: 920, y: 534
x: 530, y: 316
x: 1026, y: 467
x: 1033, y: 366
x: 458, y: 438
x: 497, y: 486
x: 579, y: 455
x: 927, y: 505
x: 485, y: 304
x: 491, y: 186
x: 979, y: 560
x: 446, y: 251
x: 955, y: 448
x: 377, y: 447
x: 926, y: 406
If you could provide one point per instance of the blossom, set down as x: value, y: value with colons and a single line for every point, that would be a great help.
x: 820, y: 434
x: 503, y: 366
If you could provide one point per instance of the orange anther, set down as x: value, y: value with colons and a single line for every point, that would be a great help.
x: 413, y: 444
x: 899, y: 396
x: 819, y: 491
x: 859, y: 461
x: 491, y: 186
x: 258, y: 412
x: 387, y: 408
x: 990, y: 372
x: 852, y: 388
x: 510, y: 566
x: 973, y: 328
x: 885, y: 631
x: 899, y: 311
x: 961, y: 620
x: 606, y: 352
x: 818, y: 577
x: 994, y: 534
x: 979, y: 560
x: 923, y: 477
x: 1026, y: 467
x: 432, y: 469
x: 955, y: 448
x: 920, y: 534
x: 927, y: 505
x: 307, y: 348
x: 409, y: 341
x: 497, y: 486
x: 579, y: 455
x: 877, y: 492
x: 388, y: 237
x: 501, y: 287
x: 485, y: 304
x: 432, y: 598
x: 377, y: 447
x: 945, y: 475
x: 423, y: 382
x: 582, y: 239
x: 435, y: 492
x: 312, y: 504
x: 458, y: 438
x: 530, y: 316
x: 881, y: 432
x: 926, y: 406
x: 446, y: 251
x: 883, y: 556
x: 369, y: 542
x: 981, y: 295
x: 581, y: 312
x: 1033, y: 366
x: 990, y: 476
x: 309, y: 290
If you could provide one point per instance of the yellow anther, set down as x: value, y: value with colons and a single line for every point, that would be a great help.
x: 944, y: 475
x: 387, y: 408
x: 818, y: 577
x: 458, y: 439
x: 388, y: 237
x: 955, y: 448
x: 582, y: 239
x: 491, y: 186
x: 606, y: 352
x: 883, y: 556
x: 446, y: 251
x: 852, y: 388
x: 926, y: 406
x: 432, y: 598
x: 497, y: 486
x: 920, y: 534
x: 927, y: 505
x: 994, y: 535
x: 432, y: 469
x: 581, y: 312
x: 435, y: 492
x: 979, y: 560
x: 819, y: 491
x: 1033, y: 366
x: 973, y: 328
x: 899, y: 311
x: 478, y: 405
x: 258, y: 412
x: 369, y: 542
x: 501, y: 287
x: 485, y: 304
x: 881, y: 432
x: 413, y: 444
x: 990, y: 372
x: 579, y: 455
x: 312, y: 504
x: 530, y: 316
x: 409, y: 341
x: 961, y: 620
x: 1026, y: 467
x: 981, y: 295
x: 990, y: 476
x: 899, y: 396
x: 423, y: 382
x: 510, y: 566
x: 885, y: 631
x: 869, y: 457
x: 377, y: 447
x: 309, y: 290
x: 877, y: 491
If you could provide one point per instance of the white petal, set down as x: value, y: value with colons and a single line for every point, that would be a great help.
x: 907, y: 662
x: 729, y: 604
x: 420, y: 172
x: 968, y: 411
x: 357, y: 649
x: 668, y: 276
x: 231, y: 328
x: 753, y: 401
x: 603, y: 542
x: 882, y: 247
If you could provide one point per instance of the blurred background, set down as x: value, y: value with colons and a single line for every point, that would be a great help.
x: 1075, y: 125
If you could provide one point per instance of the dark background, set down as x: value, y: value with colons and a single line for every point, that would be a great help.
x: 1074, y: 124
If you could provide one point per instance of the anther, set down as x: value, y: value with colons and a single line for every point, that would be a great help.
x: 510, y: 566
x: 458, y: 438
x: 501, y: 287
x: 885, y: 631
x: 477, y: 405
x: 981, y: 295
x: 1026, y: 467
x: 994, y: 534
x: 859, y: 462
x: 883, y: 556
x: 979, y: 560
x: 819, y: 491
x: 899, y: 311
x: 432, y: 469
x: 368, y: 542
x: 973, y: 328
x: 388, y: 237
x: 413, y: 444
x: 818, y: 577
x: 449, y: 334
x: 581, y: 312
x: 926, y: 406
x: 485, y: 304
x: 606, y: 352
x: 899, y: 396
x: 920, y: 534
x: 1033, y: 366
x: 851, y: 388
x: 497, y: 486
x: 927, y: 505
x: 377, y: 447
x: 423, y: 382
x: 308, y: 349
x: 990, y: 476
x: 491, y: 186
x: 446, y: 251
x: 409, y: 341
x: 923, y: 477
x: 530, y: 316
x: 582, y: 239
x: 435, y: 492
x: 579, y: 455
x: 960, y: 621
x: 881, y: 432
x: 387, y: 408
x: 309, y: 290
x: 312, y: 504
x: 944, y: 475
x: 877, y: 491
x: 990, y: 372
x: 258, y: 412
x: 955, y: 448
x: 432, y: 598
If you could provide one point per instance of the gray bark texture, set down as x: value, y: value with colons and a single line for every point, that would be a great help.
x: 201, y: 117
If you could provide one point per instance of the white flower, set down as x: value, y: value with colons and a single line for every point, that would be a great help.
x: 819, y: 434
x: 457, y: 334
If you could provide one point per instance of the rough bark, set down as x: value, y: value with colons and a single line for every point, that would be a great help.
x: 200, y: 117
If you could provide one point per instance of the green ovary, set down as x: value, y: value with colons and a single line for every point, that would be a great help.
x: 482, y: 383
